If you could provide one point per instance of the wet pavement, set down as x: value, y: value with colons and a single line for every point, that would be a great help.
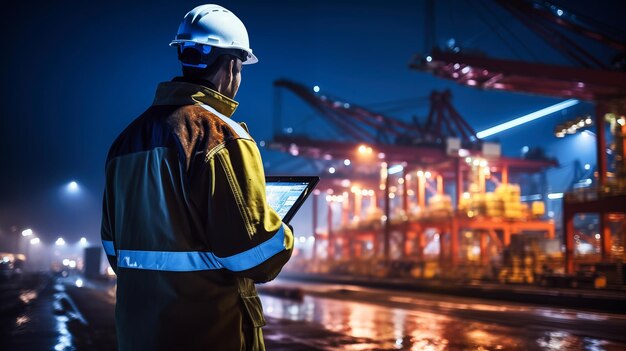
x: 73, y: 314
x: 391, y: 322
x: 606, y: 300
x: 30, y: 321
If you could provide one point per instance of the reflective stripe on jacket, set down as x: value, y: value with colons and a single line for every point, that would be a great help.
x: 186, y: 225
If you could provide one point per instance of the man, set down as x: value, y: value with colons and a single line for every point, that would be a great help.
x: 186, y: 225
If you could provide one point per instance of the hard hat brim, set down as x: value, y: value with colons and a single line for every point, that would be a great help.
x: 252, y: 59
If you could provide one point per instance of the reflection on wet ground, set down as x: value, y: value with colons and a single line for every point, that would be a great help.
x: 64, y: 340
x: 41, y: 316
x: 67, y: 315
x: 27, y: 321
x: 374, y: 327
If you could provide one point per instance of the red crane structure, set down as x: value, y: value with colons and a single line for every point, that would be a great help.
x: 592, y: 81
x: 376, y: 147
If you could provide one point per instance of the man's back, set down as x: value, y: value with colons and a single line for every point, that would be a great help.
x: 187, y: 227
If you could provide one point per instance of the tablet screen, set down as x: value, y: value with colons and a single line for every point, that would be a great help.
x: 283, y: 195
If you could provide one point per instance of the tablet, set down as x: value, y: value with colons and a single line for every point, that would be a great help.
x: 287, y: 193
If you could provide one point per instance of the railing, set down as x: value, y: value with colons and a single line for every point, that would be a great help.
x: 594, y: 193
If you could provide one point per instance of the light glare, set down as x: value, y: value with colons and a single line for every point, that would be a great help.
x: 395, y: 169
x: 72, y: 187
x: 526, y: 118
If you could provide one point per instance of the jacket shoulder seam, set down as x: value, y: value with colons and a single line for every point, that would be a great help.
x: 217, y: 148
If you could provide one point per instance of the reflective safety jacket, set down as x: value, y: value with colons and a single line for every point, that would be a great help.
x: 186, y: 226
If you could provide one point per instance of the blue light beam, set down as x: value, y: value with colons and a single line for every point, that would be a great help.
x: 395, y: 169
x: 526, y: 118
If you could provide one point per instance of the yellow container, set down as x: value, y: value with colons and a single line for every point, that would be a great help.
x: 538, y: 209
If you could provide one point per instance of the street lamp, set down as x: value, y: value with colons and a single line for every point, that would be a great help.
x: 35, y: 241
x: 83, y: 241
x: 72, y: 187
x: 59, y: 242
x: 20, y: 245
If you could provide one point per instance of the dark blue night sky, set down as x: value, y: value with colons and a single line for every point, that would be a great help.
x: 75, y: 73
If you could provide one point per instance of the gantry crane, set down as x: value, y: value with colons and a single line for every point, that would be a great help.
x: 387, y: 142
x: 591, y: 80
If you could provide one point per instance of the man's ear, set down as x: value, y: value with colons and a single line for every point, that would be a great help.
x: 231, y: 70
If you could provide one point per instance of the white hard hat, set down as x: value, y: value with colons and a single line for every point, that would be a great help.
x: 215, y: 26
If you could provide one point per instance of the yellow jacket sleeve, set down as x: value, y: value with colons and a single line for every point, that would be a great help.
x: 246, y: 234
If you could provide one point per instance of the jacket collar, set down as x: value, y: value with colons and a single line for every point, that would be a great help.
x: 179, y: 92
